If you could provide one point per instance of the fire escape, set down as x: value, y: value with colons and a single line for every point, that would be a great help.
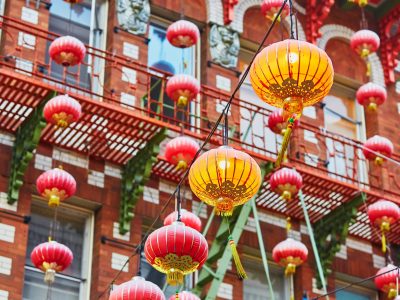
x: 129, y: 135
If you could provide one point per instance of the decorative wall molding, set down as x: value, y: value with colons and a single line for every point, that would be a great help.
x: 133, y: 15
x: 224, y: 45
x: 215, y: 12
x: 332, y: 31
x: 244, y: 5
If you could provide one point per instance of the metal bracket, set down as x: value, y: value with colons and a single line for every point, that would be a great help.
x: 332, y: 230
x: 26, y: 141
x: 135, y: 174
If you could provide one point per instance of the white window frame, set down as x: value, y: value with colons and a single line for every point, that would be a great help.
x: 87, y: 251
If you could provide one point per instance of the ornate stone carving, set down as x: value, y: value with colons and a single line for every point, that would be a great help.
x: 224, y: 46
x: 133, y: 15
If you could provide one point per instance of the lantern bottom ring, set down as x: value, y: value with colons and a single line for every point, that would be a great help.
x: 182, y: 101
x: 175, y: 277
x: 292, y: 106
x: 224, y: 207
x: 49, y: 276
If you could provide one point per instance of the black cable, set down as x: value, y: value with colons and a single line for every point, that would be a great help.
x: 178, y: 204
x: 225, y: 131
x: 291, y: 19
x: 206, y: 141
x: 354, y: 283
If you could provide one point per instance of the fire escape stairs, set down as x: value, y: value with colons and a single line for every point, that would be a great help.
x: 220, y: 252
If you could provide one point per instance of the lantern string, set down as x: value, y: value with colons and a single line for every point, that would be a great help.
x: 355, y: 283
x: 225, y: 132
x: 291, y: 19
x: 206, y: 141
x: 139, y: 265
x: 178, y: 203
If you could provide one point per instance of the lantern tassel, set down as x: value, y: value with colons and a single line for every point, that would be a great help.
x: 49, y: 276
x: 177, y: 295
x: 392, y: 293
x: 182, y: 165
x: 239, y: 267
x: 291, y: 287
x: 385, y: 227
x: 174, y: 277
x: 285, y: 143
x: 288, y: 224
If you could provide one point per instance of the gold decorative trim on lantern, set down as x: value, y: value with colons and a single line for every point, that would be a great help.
x: 54, y: 196
x: 175, y: 267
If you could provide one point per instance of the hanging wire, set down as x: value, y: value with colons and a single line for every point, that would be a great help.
x: 291, y: 19
x: 178, y: 203
x: 53, y: 225
x: 206, y: 141
x: 354, y: 283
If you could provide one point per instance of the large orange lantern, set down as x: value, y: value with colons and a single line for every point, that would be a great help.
x: 382, y: 214
x: 225, y: 178
x: 176, y: 250
x: 291, y: 74
x: 51, y: 257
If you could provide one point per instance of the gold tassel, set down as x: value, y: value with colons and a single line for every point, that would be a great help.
x: 285, y: 143
x: 288, y: 224
x: 385, y: 227
x: 392, y: 293
x: 239, y: 267
x: 182, y: 165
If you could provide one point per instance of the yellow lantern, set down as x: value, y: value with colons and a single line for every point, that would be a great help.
x: 225, y: 178
x: 291, y: 74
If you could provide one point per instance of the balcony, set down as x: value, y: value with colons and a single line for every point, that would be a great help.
x: 118, y: 120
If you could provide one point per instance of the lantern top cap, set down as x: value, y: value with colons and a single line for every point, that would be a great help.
x: 138, y: 278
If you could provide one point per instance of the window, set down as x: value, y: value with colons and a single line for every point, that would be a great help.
x: 74, y: 230
x: 356, y: 293
x: 255, y: 287
x: 253, y: 125
x: 163, y: 56
x: 85, y: 21
x: 345, y: 117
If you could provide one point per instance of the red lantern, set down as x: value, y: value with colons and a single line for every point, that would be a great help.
x: 137, y: 289
x: 51, y: 257
x: 182, y: 88
x: 62, y: 111
x: 387, y: 282
x: 371, y: 95
x: 286, y: 182
x: 380, y: 145
x: 382, y: 214
x: 188, y: 218
x: 73, y: 1
x: 290, y: 254
x: 270, y: 9
x: 184, y: 296
x: 277, y: 123
x: 365, y: 42
x: 180, y: 151
x: 56, y: 185
x: 67, y: 51
x: 176, y: 250
x: 183, y: 34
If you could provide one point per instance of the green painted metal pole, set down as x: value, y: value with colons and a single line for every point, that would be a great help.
x: 262, y: 248
x: 313, y: 244
x: 209, y: 222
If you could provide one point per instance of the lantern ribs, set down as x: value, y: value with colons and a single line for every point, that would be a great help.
x: 332, y: 230
x: 135, y: 174
x: 390, y: 44
x: 26, y: 140
x: 317, y: 12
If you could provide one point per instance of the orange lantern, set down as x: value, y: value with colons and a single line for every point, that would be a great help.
x: 225, y: 178
x: 291, y: 74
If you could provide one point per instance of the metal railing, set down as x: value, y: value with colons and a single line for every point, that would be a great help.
x: 118, y: 80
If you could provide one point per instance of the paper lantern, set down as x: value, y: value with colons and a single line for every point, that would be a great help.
x: 67, y: 51
x: 180, y: 151
x: 364, y: 42
x: 184, y: 296
x: 371, y: 95
x: 56, y: 185
x: 380, y: 145
x: 291, y: 74
x: 382, y: 214
x: 387, y: 282
x: 62, y: 111
x: 290, y: 254
x: 51, y: 257
x: 182, y: 88
x: 270, y: 9
x: 188, y: 218
x: 176, y: 250
x: 286, y: 182
x: 183, y: 34
x: 225, y: 178
x: 137, y: 289
x: 277, y: 123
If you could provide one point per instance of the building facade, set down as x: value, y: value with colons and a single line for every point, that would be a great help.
x: 121, y: 138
